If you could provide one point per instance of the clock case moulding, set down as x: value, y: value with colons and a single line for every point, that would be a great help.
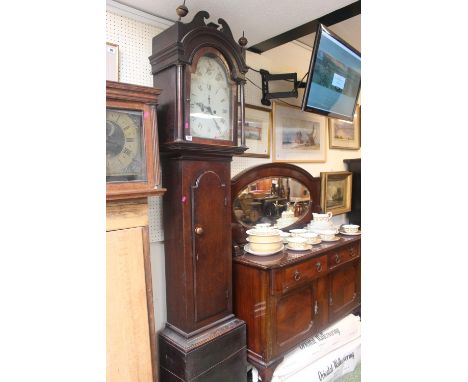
x: 174, y: 50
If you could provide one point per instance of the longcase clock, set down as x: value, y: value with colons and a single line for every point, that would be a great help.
x: 132, y: 174
x: 201, y: 70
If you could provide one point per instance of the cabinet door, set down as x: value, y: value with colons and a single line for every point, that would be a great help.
x: 295, y: 318
x: 344, y: 291
x: 211, y: 246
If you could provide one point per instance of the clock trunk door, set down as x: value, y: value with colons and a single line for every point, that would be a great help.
x: 211, y: 246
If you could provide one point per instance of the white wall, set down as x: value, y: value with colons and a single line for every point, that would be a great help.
x: 134, y: 40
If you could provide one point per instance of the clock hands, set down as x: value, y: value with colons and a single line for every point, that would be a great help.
x: 209, y: 110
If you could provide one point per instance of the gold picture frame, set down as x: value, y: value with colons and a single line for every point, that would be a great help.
x: 344, y: 134
x: 298, y: 136
x: 258, y: 125
x: 112, y: 62
x: 335, y: 195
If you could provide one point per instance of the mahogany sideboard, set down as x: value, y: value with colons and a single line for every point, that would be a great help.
x: 288, y: 297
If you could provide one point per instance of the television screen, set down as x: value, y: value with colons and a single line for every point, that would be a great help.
x: 334, y: 77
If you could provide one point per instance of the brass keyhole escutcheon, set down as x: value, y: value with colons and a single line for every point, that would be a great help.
x: 297, y: 275
x: 337, y: 259
x: 199, y: 230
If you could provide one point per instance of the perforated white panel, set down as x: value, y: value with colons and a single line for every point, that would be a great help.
x: 134, y: 41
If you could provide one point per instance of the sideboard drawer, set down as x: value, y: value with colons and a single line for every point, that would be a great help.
x: 299, y: 274
x: 343, y: 255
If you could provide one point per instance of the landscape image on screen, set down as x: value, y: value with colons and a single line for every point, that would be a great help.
x: 336, y: 79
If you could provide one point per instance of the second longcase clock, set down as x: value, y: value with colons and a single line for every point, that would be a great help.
x: 201, y: 70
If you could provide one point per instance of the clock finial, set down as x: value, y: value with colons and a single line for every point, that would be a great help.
x: 243, y: 41
x: 182, y: 11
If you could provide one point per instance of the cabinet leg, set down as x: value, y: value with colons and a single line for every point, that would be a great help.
x: 266, y: 372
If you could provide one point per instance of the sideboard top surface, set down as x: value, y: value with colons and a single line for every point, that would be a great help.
x: 288, y: 257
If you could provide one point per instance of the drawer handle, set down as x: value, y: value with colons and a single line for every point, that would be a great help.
x: 319, y: 266
x: 297, y: 275
x: 351, y: 252
x: 199, y: 230
x: 337, y: 259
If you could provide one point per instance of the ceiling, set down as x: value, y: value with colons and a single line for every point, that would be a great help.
x: 260, y: 19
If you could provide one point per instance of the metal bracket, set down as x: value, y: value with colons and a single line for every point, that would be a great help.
x: 267, y: 77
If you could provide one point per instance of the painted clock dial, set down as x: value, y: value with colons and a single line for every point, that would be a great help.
x: 124, y: 146
x: 210, y: 100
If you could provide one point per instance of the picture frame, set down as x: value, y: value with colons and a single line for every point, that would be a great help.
x: 298, y: 136
x: 336, y: 191
x: 344, y: 134
x: 112, y: 62
x: 258, y: 126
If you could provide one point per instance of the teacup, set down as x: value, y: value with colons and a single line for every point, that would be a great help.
x: 297, y: 242
x: 350, y: 228
x: 285, y: 236
x: 297, y: 231
x: 327, y: 234
x: 322, y: 217
x: 310, y: 236
x: 262, y: 226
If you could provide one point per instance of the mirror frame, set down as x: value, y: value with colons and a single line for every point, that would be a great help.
x: 272, y: 170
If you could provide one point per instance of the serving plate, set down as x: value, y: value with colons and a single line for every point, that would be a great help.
x: 350, y: 233
x: 247, y: 249
x: 308, y: 247
x: 336, y: 238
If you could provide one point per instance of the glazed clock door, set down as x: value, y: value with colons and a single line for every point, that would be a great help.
x: 211, y: 246
x: 212, y: 110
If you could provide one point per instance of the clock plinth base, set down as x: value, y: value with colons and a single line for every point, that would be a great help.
x: 217, y: 354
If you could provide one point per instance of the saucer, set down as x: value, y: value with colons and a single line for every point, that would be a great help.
x: 336, y: 238
x: 308, y: 246
x: 247, y: 249
x: 350, y: 233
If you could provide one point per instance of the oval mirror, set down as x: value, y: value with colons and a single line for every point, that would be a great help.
x: 280, y: 201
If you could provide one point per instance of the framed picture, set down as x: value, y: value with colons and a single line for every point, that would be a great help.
x: 112, y: 62
x: 335, y: 195
x: 298, y: 136
x: 345, y: 134
x: 257, y: 131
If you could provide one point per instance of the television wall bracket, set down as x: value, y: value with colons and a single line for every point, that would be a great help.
x: 267, y: 77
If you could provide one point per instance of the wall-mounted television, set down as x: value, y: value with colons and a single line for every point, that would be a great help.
x: 334, y: 77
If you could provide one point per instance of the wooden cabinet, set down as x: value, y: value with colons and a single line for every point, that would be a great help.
x: 288, y: 297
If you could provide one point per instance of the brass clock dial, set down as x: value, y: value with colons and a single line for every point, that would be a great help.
x: 210, y: 100
x: 124, y: 145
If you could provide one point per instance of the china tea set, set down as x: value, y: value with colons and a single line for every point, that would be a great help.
x: 264, y: 240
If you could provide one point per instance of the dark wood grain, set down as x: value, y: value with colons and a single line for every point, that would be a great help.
x: 284, y: 299
x: 201, y: 286
x: 218, y: 354
x: 202, y: 340
x: 175, y: 54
